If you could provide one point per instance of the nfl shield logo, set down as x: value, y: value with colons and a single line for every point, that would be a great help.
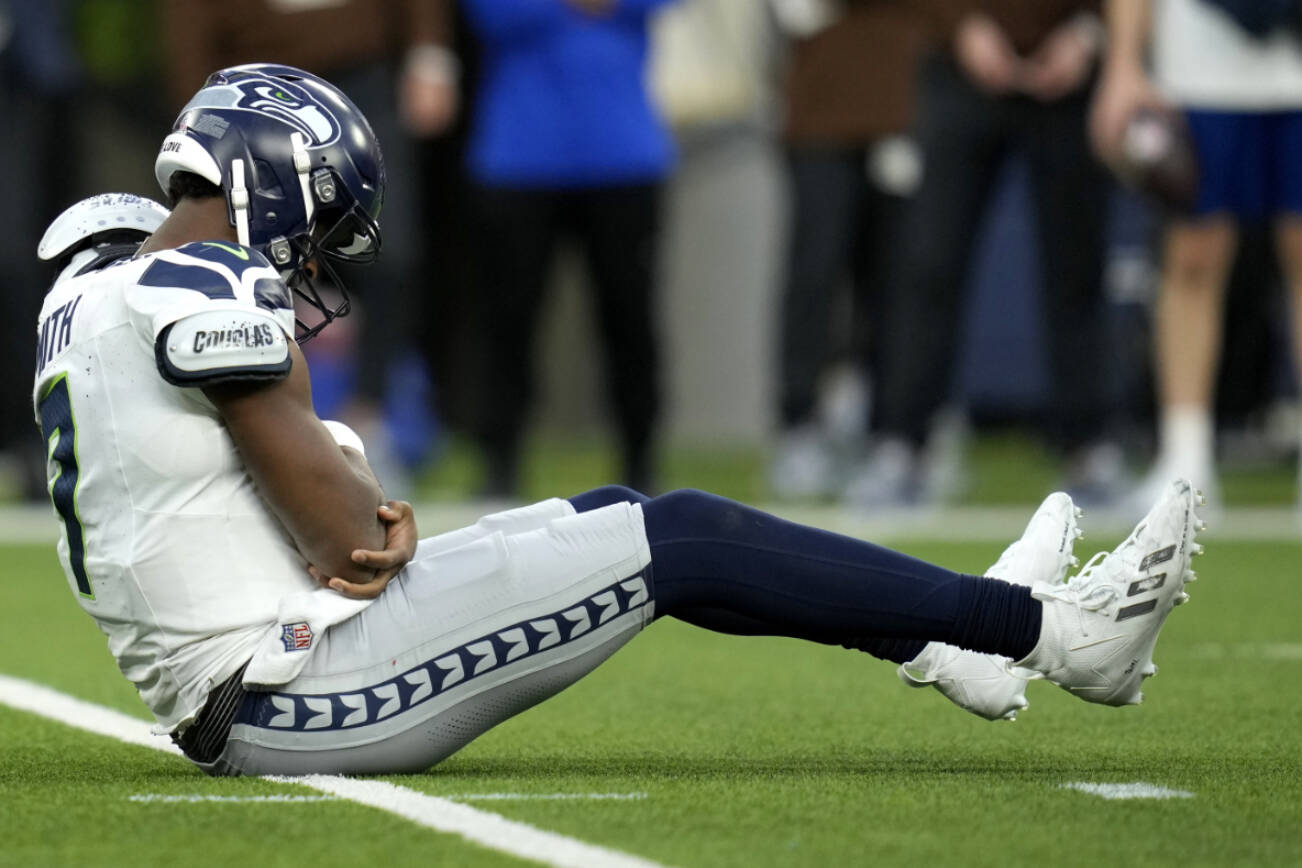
x: 296, y: 637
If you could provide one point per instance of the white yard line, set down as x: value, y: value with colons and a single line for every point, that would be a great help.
x: 28, y: 524
x: 481, y: 827
x: 490, y: 830
x: 38, y: 699
x: 1136, y: 790
x: 546, y: 797
x: 183, y: 798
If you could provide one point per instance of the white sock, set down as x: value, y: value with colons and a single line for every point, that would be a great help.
x: 1187, y: 443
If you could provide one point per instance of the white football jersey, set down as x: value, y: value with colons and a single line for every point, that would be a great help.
x: 166, y: 542
x: 1202, y: 59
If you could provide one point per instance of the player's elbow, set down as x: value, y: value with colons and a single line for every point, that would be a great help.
x: 330, y: 549
x: 336, y: 561
x: 350, y: 572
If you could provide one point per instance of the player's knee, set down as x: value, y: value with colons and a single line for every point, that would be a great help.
x: 684, y: 499
x: 1288, y: 246
x: 689, y: 512
x: 605, y: 496
x: 1198, y: 257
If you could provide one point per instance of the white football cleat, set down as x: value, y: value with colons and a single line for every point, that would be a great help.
x: 1100, y: 627
x: 982, y: 683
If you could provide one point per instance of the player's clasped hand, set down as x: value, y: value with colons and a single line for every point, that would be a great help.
x: 399, y: 548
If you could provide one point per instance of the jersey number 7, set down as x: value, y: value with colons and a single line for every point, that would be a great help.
x: 59, y: 430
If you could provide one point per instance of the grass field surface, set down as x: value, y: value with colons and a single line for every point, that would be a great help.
x: 691, y: 749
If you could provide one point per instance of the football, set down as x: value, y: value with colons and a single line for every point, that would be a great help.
x: 1158, y: 160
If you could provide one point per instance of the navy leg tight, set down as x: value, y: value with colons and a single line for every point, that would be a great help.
x: 728, y: 567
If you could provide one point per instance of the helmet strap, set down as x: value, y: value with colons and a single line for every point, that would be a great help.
x: 303, y: 166
x: 240, y: 202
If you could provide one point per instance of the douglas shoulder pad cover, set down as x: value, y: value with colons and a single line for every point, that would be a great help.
x: 222, y: 345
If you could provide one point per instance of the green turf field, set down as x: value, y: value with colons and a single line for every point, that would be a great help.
x: 730, y: 752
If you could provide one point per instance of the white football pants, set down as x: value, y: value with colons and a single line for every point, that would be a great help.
x: 483, y: 623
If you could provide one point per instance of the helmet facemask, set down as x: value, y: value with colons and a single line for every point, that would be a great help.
x: 341, y: 231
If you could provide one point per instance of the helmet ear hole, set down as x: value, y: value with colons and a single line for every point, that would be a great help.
x: 265, y: 181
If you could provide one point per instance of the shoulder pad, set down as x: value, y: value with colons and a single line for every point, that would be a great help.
x: 234, y: 256
x: 81, y: 223
x: 220, y: 270
x: 84, y: 262
x: 222, y: 345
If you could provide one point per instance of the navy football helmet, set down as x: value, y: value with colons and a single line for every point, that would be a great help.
x: 299, y: 165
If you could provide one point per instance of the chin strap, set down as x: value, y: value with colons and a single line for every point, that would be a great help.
x: 240, y: 198
x: 303, y: 166
x: 240, y: 201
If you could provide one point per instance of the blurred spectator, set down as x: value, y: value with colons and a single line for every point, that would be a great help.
x: 848, y: 95
x: 711, y: 67
x: 392, y: 59
x: 447, y: 333
x: 1234, y: 69
x: 723, y: 213
x: 38, y: 75
x: 564, y: 139
x: 1009, y: 74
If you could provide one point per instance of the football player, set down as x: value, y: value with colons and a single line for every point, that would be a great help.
x: 278, y: 615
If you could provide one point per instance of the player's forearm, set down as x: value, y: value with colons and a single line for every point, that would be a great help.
x: 324, y: 495
x: 325, y: 498
x: 329, y: 541
x: 1127, y: 24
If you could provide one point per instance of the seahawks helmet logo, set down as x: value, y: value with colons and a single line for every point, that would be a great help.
x: 279, y: 99
x: 282, y: 100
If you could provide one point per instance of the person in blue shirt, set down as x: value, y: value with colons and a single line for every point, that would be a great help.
x: 564, y: 139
